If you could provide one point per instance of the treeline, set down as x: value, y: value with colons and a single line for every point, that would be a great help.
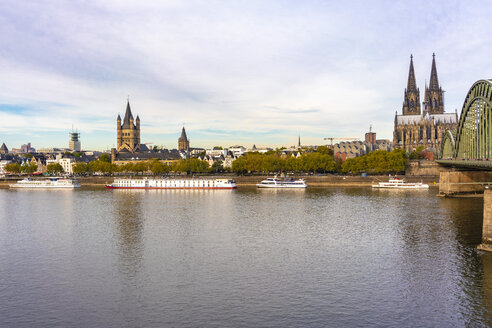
x: 274, y: 162
x: 378, y: 161
x: 191, y: 165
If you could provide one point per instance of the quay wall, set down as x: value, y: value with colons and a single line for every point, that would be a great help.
x: 423, y: 167
x: 455, y: 183
x: 252, y: 180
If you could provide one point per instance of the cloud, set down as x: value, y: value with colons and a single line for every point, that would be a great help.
x: 313, y: 68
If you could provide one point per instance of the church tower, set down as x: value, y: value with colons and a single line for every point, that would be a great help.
x: 434, y: 99
x: 411, y: 99
x: 183, y: 142
x: 128, y: 133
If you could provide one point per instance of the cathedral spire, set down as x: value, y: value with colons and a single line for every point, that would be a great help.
x: 411, y: 98
x: 434, y: 82
x: 434, y: 96
x: 411, y: 85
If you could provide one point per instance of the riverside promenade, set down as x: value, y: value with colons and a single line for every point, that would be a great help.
x: 251, y: 180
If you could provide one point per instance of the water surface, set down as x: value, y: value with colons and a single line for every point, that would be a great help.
x: 321, y: 257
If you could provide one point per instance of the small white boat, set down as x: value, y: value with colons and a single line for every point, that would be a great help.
x: 51, y: 183
x: 400, y: 184
x: 282, y: 183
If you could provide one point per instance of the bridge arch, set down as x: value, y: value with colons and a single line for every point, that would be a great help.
x: 474, y: 135
x: 448, y: 144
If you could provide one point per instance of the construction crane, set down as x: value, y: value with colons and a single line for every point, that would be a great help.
x: 331, y: 140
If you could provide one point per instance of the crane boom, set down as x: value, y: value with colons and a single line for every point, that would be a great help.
x: 332, y: 138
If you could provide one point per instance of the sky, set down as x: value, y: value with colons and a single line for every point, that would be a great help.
x: 233, y: 72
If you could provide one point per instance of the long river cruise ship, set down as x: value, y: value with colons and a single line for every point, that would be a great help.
x: 49, y: 183
x: 147, y: 183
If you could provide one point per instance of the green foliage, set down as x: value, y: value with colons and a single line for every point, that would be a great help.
x: 218, y: 148
x: 80, y: 168
x: 13, y: 167
x: 101, y: 167
x: 217, y: 167
x: 325, y: 150
x: 54, y: 168
x: 419, y: 149
x: 77, y: 155
x: 378, y: 161
x: 157, y: 167
x: 239, y: 165
x: 28, y: 167
x: 274, y: 162
x: 105, y: 158
x: 28, y: 155
x: 414, y: 155
x: 190, y: 165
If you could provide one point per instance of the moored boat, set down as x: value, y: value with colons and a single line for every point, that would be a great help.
x: 400, y: 184
x: 147, y: 183
x: 52, y: 183
x: 282, y: 183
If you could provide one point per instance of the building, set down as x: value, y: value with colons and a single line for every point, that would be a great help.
x: 183, y: 142
x: 415, y: 128
x: 370, y: 136
x: 128, y: 133
x: 74, y: 143
x: 4, y: 149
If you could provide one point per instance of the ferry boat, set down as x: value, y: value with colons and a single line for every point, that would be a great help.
x: 52, y: 183
x: 400, y: 184
x: 147, y: 183
x: 282, y: 183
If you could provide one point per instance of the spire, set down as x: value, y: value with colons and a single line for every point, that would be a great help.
x: 128, y: 116
x: 183, y: 135
x: 299, y: 142
x: 411, y: 85
x: 434, y: 82
x: 411, y: 99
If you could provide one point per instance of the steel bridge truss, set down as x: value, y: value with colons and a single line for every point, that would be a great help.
x: 472, y: 142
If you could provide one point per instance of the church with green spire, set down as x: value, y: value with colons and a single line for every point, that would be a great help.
x: 415, y: 128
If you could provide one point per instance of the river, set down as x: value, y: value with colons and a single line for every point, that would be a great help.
x: 321, y: 257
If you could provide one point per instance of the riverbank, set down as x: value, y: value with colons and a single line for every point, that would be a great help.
x: 252, y: 180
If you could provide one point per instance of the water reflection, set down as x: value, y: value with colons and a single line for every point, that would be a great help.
x: 127, y: 205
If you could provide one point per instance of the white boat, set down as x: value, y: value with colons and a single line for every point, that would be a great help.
x: 282, y: 183
x: 147, y: 183
x: 400, y: 184
x: 52, y: 183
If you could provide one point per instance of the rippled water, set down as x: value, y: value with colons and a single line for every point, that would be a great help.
x: 321, y: 257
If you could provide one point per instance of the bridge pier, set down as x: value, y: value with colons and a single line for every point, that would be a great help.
x: 486, y: 244
x: 455, y: 183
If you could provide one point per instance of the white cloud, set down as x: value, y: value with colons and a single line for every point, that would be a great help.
x: 315, y: 68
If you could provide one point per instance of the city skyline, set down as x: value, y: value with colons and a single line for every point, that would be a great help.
x: 234, y: 73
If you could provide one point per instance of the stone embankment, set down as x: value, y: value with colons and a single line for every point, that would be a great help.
x: 251, y: 180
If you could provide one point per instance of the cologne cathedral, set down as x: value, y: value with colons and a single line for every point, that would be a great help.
x: 425, y: 128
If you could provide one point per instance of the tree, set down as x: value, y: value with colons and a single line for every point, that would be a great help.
x: 13, y: 168
x: 105, y: 158
x: 218, y: 148
x: 239, y: 165
x: 217, y: 167
x: 157, y: 167
x: 54, y: 168
x: 80, y: 168
x: 28, y: 167
x: 324, y: 150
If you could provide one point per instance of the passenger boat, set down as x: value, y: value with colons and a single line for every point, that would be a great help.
x: 147, y: 183
x: 282, y: 183
x: 400, y: 184
x: 52, y: 183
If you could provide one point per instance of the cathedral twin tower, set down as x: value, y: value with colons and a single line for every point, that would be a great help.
x: 415, y: 128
